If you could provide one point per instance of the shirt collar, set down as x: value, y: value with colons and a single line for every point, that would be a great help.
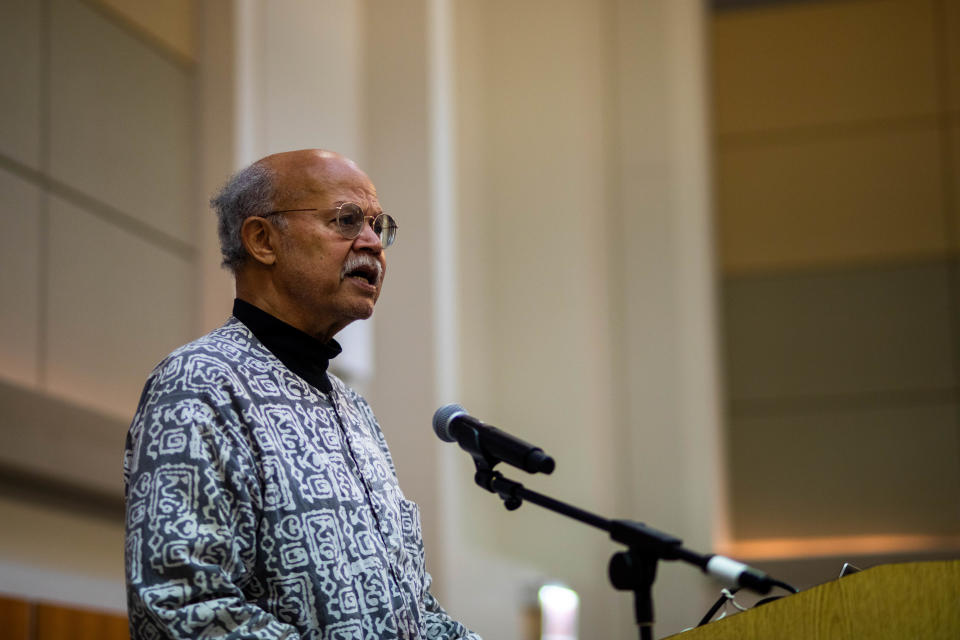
x: 300, y: 352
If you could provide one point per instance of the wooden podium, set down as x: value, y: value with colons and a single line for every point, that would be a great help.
x: 917, y: 600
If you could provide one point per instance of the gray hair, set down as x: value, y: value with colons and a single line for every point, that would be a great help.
x: 248, y: 192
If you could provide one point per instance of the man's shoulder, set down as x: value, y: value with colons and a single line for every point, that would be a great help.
x: 211, y: 356
x: 228, y: 341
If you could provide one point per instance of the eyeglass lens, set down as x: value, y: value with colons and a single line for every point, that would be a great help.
x: 350, y: 220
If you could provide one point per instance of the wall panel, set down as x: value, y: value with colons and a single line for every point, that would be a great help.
x: 838, y: 191
x: 814, y: 63
x: 15, y: 616
x: 851, y: 197
x: 61, y: 550
x: 20, y: 66
x: 97, y: 198
x: 62, y: 623
x: 121, y: 120
x: 584, y: 189
x: 50, y: 442
x: 861, y: 470
x: 951, y: 31
x: 953, y: 175
x: 326, y: 110
x: 20, y: 269
x: 117, y: 305
x: 539, y: 249
x: 170, y: 23
x: 546, y: 255
x: 838, y: 333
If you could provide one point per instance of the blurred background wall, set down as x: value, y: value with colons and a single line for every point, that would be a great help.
x: 98, y: 163
x: 836, y: 147
x: 703, y: 253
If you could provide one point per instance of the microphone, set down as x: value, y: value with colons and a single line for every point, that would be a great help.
x: 452, y: 423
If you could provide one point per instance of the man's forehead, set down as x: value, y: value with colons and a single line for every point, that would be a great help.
x: 317, y: 171
x: 317, y: 164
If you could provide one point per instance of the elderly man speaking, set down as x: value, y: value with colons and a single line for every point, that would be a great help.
x: 262, y: 501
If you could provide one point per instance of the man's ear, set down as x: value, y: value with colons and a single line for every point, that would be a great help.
x: 260, y: 239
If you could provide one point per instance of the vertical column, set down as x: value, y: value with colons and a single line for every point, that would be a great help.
x: 340, y: 75
x: 400, y: 117
x: 668, y: 382
x: 282, y: 76
x: 218, y: 71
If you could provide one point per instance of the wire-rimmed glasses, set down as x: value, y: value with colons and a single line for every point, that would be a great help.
x: 350, y: 220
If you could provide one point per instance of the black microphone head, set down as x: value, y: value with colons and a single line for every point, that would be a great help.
x: 442, y: 419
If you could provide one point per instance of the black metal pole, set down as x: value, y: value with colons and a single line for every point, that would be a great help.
x: 634, y: 570
x: 631, y: 570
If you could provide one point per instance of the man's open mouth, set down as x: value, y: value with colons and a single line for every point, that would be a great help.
x: 364, y: 273
x: 363, y: 268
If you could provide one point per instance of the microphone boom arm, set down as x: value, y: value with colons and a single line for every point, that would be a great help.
x: 632, y: 570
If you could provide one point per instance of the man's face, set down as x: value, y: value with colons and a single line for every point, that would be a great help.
x: 329, y: 280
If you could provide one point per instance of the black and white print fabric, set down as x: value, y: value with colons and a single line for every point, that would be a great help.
x: 259, y: 507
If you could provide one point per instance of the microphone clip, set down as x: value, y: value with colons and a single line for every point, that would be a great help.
x: 470, y: 442
x: 486, y: 478
x: 494, y: 482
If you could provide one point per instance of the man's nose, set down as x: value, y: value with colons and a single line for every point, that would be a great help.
x: 368, y: 238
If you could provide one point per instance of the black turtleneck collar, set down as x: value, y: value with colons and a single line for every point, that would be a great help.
x: 300, y: 352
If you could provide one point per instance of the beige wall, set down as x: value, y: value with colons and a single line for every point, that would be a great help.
x: 540, y: 290
x: 170, y: 24
x: 586, y: 304
x: 558, y: 146
x: 97, y: 161
x: 99, y: 175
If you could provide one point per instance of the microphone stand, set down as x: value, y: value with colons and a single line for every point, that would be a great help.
x: 632, y: 570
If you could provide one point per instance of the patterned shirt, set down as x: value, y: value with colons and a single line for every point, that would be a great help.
x: 260, y: 507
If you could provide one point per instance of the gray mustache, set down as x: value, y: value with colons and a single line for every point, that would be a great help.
x: 357, y: 260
